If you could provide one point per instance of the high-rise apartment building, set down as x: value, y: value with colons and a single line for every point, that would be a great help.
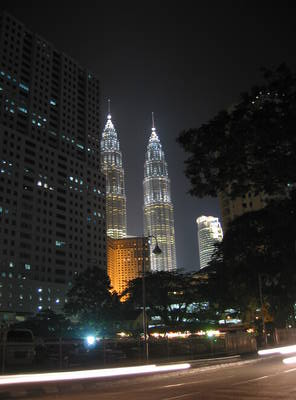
x: 233, y: 208
x: 111, y: 165
x: 209, y: 233
x: 158, y: 207
x: 52, y: 193
x: 125, y: 261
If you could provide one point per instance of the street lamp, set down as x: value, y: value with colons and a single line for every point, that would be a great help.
x: 262, y: 308
x: 155, y: 251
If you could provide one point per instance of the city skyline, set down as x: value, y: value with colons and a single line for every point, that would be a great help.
x: 183, y: 64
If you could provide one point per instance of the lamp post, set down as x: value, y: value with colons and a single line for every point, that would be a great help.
x: 155, y: 251
x: 262, y: 309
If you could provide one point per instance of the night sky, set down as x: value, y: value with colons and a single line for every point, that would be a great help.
x: 184, y: 64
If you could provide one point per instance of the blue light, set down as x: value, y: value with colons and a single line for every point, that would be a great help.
x: 23, y: 109
x: 90, y: 340
x: 24, y: 87
x: 60, y: 244
x: 53, y: 102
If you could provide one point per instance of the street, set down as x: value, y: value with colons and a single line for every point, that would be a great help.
x: 253, y: 379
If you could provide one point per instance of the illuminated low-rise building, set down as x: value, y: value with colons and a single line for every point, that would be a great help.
x: 209, y: 233
x: 158, y: 207
x: 125, y: 260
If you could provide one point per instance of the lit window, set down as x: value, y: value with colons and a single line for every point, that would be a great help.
x: 60, y: 244
x: 23, y: 109
x: 24, y: 87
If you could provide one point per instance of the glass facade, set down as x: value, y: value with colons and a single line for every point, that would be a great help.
x: 111, y: 165
x: 209, y: 233
x: 158, y: 208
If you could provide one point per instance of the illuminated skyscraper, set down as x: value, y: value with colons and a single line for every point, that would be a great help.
x: 158, y: 208
x: 111, y: 165
x: 209, y: 233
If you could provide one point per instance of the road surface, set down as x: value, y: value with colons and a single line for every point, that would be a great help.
x: 264, y: 379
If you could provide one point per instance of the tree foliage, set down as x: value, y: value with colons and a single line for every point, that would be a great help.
x: 250, y: 147
x: 90, y: 300
x: 174, y: 297
x: 261, y: 242
x: 47, y: 323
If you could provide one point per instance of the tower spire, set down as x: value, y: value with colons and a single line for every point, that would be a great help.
x: 153, y: 127
x: 109, y: 109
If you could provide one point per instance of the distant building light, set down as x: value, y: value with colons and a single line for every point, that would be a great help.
x: 23, y: 110
x: 60, y: 244
x: 24, y: 87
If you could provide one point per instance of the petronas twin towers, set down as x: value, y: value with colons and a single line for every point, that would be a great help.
x: 158, y: 208
x: 111, y: 165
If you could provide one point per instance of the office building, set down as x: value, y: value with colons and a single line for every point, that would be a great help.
x: 158, y: 207
x: 111, y: 165
x: 52, y: 193
x: 125, y: 261
x: 209, y: 233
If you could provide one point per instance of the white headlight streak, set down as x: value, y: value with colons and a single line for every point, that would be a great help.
x: 278, y: 350
x: 289, y: 360
x: 87, y: 374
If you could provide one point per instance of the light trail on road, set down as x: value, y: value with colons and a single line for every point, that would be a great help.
x: 280, y: 350
x: 88, y: 374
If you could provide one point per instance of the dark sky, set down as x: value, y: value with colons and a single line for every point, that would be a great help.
x: 184, y: 64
